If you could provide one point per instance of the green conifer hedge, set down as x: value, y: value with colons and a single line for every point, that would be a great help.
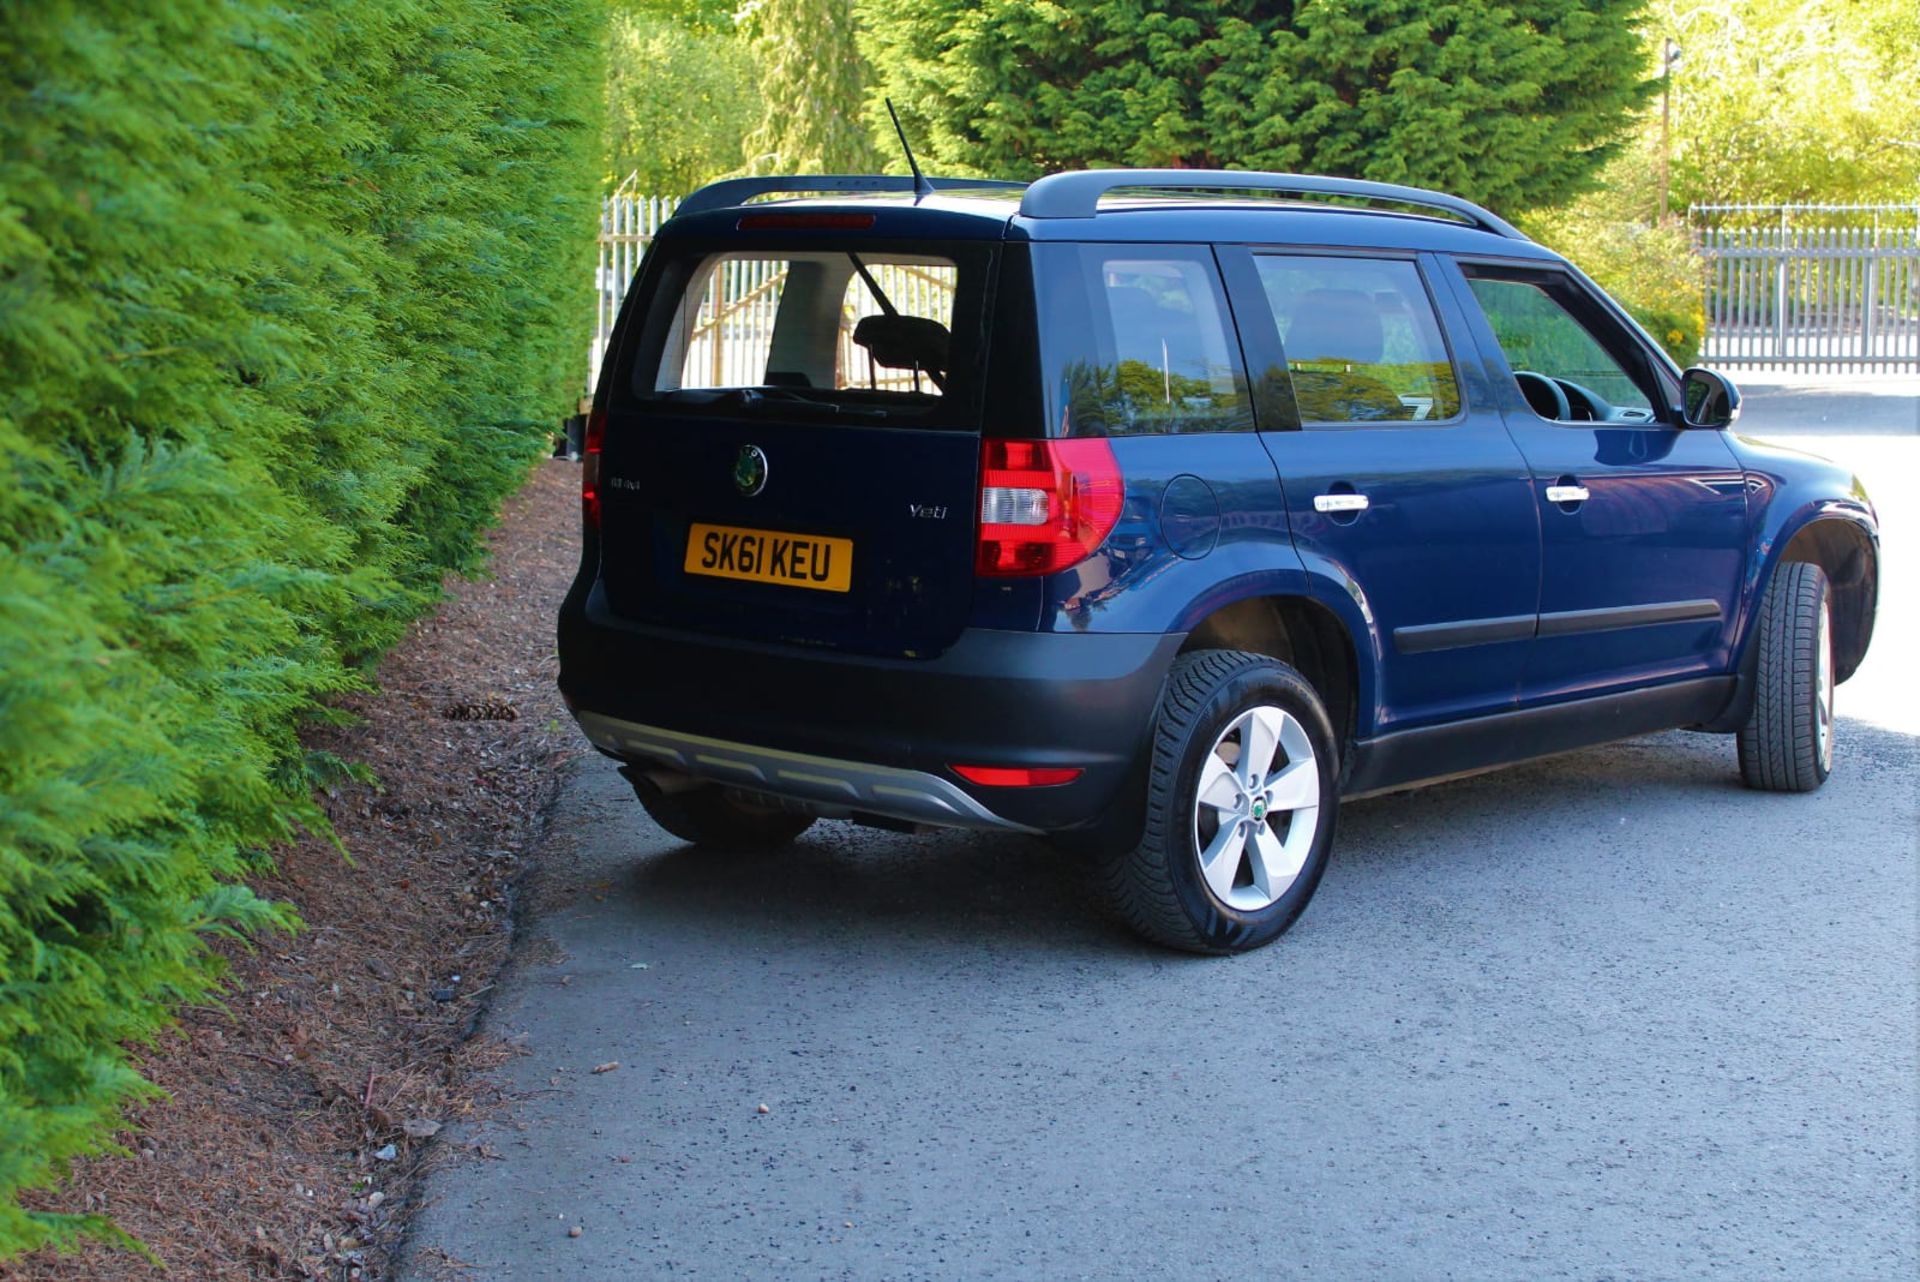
x: 290, y: 297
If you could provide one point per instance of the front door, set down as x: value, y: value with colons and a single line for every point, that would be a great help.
x: 1403, y: 488
x: 1643, y: 521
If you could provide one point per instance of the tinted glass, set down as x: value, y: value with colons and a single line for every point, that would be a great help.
x: 1363, y: 344
x: 1139, y: 341
x: 1540, y: 336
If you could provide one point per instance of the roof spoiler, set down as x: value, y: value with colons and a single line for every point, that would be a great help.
x: 1077, y: 195
x: 729, y: 192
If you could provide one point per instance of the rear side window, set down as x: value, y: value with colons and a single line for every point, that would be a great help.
x: 864, y: 333
x: 1362, y: 341
x: 1138, y: 341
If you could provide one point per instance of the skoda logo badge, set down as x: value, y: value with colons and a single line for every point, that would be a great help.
x: 750, y: 470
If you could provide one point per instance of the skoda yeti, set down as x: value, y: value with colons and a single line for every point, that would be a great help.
x: 1160, y: 512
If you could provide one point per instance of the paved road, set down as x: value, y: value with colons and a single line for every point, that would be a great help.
x: 1604, y: 1017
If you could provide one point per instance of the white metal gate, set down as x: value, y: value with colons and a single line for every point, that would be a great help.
x: 627, y: 224
x: 1811, y: 287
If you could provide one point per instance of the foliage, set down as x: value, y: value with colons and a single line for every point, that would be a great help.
x: 675, y: 131
x: 1771, y: 101
x: 1515, y: 105
x: 1793, y: 100
x: 1649, y: 267
x: 712, y: 17
x: 1654, y: 273
x: 289, y: 296
x: 812, y: 81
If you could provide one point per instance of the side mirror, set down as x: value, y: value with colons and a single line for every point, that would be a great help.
x: 1708, y: 398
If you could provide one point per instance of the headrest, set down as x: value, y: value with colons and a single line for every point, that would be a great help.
x: 904, y: 342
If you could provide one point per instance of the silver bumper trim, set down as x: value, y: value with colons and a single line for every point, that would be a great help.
x: 834, y: 786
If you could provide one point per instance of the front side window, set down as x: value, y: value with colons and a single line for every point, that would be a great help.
x: 1563, y: 370
x: 1362, y: 341
x: 1139, y: 341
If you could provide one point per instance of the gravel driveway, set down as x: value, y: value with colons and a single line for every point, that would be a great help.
x: 1605, y: 1016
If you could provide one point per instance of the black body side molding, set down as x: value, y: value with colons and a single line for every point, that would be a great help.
x: 1449, y: 636
x: 1627, y: 616
x: 1518, y: 627
x: 1431, y: 754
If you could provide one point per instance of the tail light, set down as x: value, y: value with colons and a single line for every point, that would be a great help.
x: 590, y: 467
x: 1045, y: 505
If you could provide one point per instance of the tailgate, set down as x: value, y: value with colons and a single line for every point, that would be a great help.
x: 792, y: 446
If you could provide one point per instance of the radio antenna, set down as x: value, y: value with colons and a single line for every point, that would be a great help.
x: 921, y: 187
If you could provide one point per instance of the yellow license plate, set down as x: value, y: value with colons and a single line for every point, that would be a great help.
x: 767, y: 556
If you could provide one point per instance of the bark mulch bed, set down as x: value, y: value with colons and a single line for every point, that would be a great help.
x: 298, y: 1120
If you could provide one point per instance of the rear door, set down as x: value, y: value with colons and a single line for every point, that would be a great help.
x: 792, y: 445
x: 1402, y: 483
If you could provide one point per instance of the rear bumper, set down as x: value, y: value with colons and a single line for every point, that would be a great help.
x: 866, y: 735
x: 851, y: 787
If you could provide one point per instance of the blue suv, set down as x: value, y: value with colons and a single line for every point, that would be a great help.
x: 1161, y: 511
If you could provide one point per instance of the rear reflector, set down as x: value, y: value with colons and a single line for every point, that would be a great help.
x: 1018, y: 776
x: 1045, y: 505
x: 590, y: 468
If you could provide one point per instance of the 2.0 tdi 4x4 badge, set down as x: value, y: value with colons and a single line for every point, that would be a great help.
x: 750, y: 470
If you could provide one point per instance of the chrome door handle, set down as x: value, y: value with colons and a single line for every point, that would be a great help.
x: 1339, y: 502
x: 1567, y: 494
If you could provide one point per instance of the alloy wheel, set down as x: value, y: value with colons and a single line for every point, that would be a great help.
x: 1256, y: 808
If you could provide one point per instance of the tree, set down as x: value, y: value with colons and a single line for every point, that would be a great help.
x: 1516, y: 105
x: 1793, y: 100
x: 1771, y: 101
x: 676, y: 131
x: 290, y: 297
x: 813, y: 82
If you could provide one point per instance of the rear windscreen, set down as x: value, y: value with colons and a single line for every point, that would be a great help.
x: 867, y: 333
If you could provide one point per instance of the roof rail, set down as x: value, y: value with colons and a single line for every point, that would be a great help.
x: 1077, y: 195
x: 729, y: 192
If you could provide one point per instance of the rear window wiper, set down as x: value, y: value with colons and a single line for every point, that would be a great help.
x: 762, y: 400
x: 772, y: 400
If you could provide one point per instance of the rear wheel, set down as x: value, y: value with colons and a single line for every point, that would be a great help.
x: 1787, y: 743
x: 1240, y: 807
x: 716, y: 818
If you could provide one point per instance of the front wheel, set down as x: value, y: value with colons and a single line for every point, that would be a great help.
x: 1240, y: 807
x: 1787, y: 743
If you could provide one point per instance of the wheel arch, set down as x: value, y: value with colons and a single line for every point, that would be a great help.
x: 1302, y: 632
x: 1848, y: 552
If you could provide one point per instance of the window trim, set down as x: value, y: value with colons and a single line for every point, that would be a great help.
x: 1263, y: 305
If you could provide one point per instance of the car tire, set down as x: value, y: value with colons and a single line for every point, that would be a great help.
x: 1787, y: 743
x: 1224, y: 864
x: 718, y: 819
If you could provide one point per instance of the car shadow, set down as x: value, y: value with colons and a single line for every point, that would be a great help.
x: 1517, y: 808
x: 869, y: 886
